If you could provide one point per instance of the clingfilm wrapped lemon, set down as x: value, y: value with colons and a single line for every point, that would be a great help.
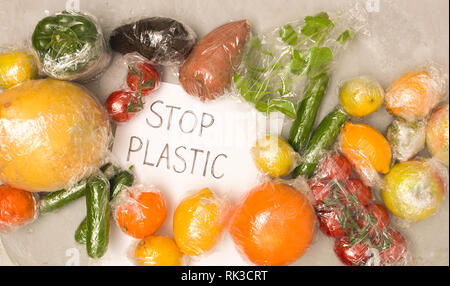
x: 15, y: 68
x: 52, y: 134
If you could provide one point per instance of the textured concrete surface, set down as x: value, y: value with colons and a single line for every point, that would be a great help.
x: 401, y: 35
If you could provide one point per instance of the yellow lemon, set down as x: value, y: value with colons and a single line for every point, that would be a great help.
x: 52, y: 134
x: 273, y: 156
x: 158, y: 251
x: 199, y: 221
x: 361, y: 96
x: 15, y: 67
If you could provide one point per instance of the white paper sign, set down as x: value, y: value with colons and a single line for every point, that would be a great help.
x: 181, y: 145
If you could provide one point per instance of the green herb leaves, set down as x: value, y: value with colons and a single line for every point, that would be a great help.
x: 269, y: 74
x: 345, y: 36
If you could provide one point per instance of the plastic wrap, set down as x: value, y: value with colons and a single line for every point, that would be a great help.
x: 367, y: 150
x: 17, y: 208
x: 199, y: 221
x: 139, y: 210
x: 437, y: 134
x: 52, y: 134
x: 157, y: 251
x: 361, y: 96
x: 279, y: 64
x: 163, y: 41
x: 347, y: 213
x: 406, y: 138
x: 141, y: 80
x: 208, y: 70
x: 273, y: 224
x: 414, y: 94
x: 415, y: 189
x: 70, y: 46
x: 15, y: 68
x: 274, y: 157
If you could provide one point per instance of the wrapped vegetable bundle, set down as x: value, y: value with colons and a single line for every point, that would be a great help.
x: 163, y: 41
x: 52, y: 134
x: 70, y: 46
x: 406, y: 138
x: 361, y: 228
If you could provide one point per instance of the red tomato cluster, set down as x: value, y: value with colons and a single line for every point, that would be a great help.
x: 142, y: 79
x: 345, y: 211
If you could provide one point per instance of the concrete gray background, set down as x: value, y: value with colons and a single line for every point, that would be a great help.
x: 403, y: 34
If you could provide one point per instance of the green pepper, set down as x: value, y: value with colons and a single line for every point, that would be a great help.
x: 66, y: 43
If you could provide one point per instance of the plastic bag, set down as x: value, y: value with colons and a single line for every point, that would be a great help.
x: 406, y: 138
x: 346, y: 212
x: 208, y: 70
x: 16, y: 67
x: 139, y: 210
x: 17, y: 208
x: 415, y: 189
x: 52, y: 134
x: 278, y: 65
x: 273, y: 224
x: 70, y: 46
x: 437, y: 134
x: 199, y: 222
x: 416, y: 93
x: 156, y: 250
x: 163, y: 41
x: 141, y: 80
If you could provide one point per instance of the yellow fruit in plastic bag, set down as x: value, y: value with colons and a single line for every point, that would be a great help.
x: 415, y: 189
x: 273, y: 156
x: 16, y: 67
x: 199, y: 221
x: 52, y: 134
x: 361, y: 96
x: 158, y: 251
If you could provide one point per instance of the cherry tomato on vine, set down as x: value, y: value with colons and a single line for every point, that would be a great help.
x: 381, y: 215
x: 144, y: 74
x: 335, y: 167
x: 329, y: 223
x: 320, y: 190
x: 352, y: 255
x: 363, y: 193
x: 397, y: 251
x: 117, y: 105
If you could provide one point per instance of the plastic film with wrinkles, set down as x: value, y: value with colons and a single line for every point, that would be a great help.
x: 139, y: 210
x: 163, y: 41
x: 416, y: 93
x: 415, y: 189
x: 273, y: 224
x: 70, y: 46
x: 52, y: 134
x: 346, y: 212
x: 406, y: 138
x: 208, y: 71
x: 199, y: 222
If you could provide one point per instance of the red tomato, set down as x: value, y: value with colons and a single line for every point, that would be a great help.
x: 397, y: 251
x: 320, y: 190
x: 354, y: 255
x: 329, y: 223
x: 335, y: 167
x: 382, y: 219
x: 363, y: 193
x: 117, y: 104
x: 146, y: 75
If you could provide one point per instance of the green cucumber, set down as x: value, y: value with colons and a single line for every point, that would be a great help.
x: 322, y: 139
x: 97, y: 218
x: 58, y: 199
x: 110, y: 170
x: 307, y: 112
x: 124, y: 178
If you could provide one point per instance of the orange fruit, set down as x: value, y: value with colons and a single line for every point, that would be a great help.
x: 17, y: 207
x: 52, y: 134
x: 273, y: 224
x: 158, y: 251
x: 199, y: 221
x: 365, y: 148
x: 413, y: 95
x: 140, y: 211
